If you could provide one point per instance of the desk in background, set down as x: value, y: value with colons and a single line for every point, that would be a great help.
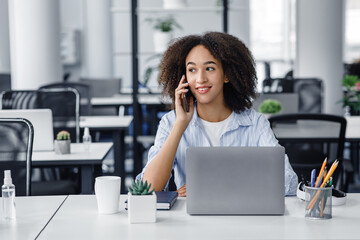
x: 352, y: 135
x: 116, y: 125
x: 153, y: 102
x: 78, y: 219
x: 86, y: 161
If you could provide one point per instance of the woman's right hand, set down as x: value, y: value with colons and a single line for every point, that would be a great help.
x: 181, y: 114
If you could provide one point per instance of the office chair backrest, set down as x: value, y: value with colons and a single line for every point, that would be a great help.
x: 310, y: 91
x: 309, y: 138
x: 16, y: 141
x: 103, y: 87
x: 84, y: 92
x: 64, y: 103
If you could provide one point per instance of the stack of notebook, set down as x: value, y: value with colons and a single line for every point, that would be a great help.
x: 165, y: 200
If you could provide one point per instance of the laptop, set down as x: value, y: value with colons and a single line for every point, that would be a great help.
x: 235, y: 180
x: 42, y: 121
x: 289, y: 101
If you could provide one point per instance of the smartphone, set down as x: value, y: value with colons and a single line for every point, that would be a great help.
x: 187, y: 97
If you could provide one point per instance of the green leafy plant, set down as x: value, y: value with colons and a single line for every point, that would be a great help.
x: 351, y: 84
x: 270, y: 106
x: 63, y: 135
x: 164, y: 24
x: 350, y: 80
x: 140, y: 188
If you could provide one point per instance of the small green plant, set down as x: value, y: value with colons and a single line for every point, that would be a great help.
x: 140, y: 188
x: 270, y: 106
x: 63, y: 135
x: 164, y: 24
x: 350, y: 81
x: 351, y: 99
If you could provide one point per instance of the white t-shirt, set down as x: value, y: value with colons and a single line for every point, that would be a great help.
x: 214, y: 129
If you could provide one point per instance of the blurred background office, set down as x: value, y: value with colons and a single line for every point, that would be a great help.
x: 93, y: 38
x: 99, y: 41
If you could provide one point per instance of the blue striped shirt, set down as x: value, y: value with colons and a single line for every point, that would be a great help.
x: 248, y: 128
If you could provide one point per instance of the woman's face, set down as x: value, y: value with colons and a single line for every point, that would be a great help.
x: 205, y: 76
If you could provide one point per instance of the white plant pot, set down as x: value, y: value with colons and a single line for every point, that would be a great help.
x: 161, y: 41
x: 62, y: 146
x: 142, y: 208
x: 174, y: 4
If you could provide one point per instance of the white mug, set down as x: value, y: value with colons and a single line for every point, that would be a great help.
x: 107, y: 191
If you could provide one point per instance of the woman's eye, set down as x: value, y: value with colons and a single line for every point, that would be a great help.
x: 210, y: 69
x: 191, y: 70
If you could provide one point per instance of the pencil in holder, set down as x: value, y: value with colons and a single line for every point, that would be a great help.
x: 318, y: 202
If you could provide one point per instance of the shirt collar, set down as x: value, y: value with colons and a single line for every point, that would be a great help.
x: 240, y: 119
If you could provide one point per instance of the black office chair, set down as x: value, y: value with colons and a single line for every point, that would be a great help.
x: 309, y: 138
x: 16, y: 141
x: 84, y: 92
x: 309, y: 90
x: 64, y: 103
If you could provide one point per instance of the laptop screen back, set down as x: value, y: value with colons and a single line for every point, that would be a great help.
x: 42, y: 121
x: 235, y: 180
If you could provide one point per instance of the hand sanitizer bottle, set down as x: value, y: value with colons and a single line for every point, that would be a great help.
x: 8, y: 196
x: 87, y: 139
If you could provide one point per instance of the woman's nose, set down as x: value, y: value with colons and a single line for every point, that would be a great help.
x: 201, y: 77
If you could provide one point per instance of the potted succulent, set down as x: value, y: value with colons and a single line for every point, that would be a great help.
x: 269, y: 107
x: 141, y: 203
x: 164, y: 26
x: 62, y: 142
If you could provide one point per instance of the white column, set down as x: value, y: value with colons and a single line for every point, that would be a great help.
x: 34, y: 43
x: 239, y: 20
x: 98, y: 39
x: 319, y: 51
x: 4, y: 38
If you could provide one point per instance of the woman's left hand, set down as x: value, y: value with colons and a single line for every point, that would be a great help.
x: 182, y: 191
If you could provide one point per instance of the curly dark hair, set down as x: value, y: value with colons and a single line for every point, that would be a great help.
x: 236, y: 60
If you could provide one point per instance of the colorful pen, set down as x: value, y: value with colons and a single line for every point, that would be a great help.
x: 313, y: 174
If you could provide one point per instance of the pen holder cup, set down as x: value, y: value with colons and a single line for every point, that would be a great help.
x: 318, y: 202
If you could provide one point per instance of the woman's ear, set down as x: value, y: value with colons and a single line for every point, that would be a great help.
x: 226, y: 80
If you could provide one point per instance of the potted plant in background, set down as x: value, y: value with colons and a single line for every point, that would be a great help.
x: 62, y: 142
x: 141, y: 203
x: 164, y: 27
x: 351, y: 100
x: 269, y: 107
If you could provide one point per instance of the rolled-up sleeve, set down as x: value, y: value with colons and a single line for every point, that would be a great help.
x: 162, y: 134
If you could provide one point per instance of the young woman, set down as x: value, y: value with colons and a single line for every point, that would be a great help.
x: 216, y: 75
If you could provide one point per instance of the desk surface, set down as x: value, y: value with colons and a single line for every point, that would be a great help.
x: 118, y: 100
x: 97, y: 153
x: 32, y: 214
x: 78, y: 219
x: 105, y: 122
x: 328, y: 130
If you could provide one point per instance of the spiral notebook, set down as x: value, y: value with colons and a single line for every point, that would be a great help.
x: 165, y: 200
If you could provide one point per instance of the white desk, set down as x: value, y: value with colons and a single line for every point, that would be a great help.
x: 329, y: 130
x: 117, y: 126
x: 78, y: 158
x: 126, y: 99
x: 32, y: 214
x: 78, y: 219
